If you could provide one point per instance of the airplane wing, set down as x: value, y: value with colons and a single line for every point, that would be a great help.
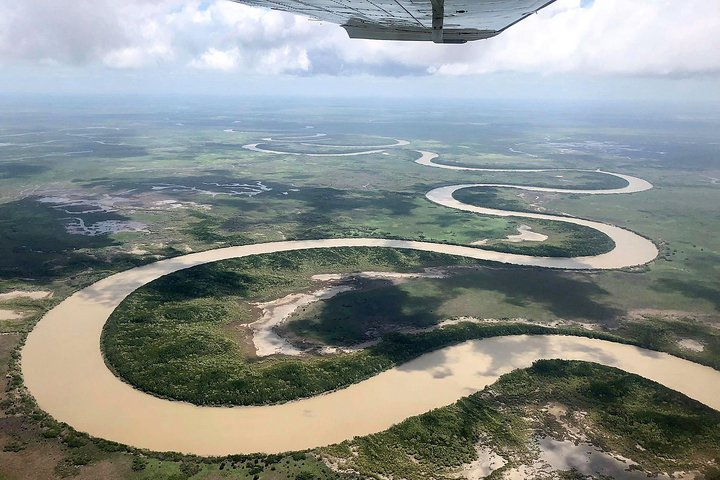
x: 442, y: 21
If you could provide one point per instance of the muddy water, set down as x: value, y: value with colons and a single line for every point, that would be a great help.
x: 64, y: 369
x: 587, y: 459
x: 634, y: 184
x: 253, y: 147
x: 630, y: 248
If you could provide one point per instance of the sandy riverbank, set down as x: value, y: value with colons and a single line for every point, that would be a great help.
x: 32, y: 294
x: 276, y: 312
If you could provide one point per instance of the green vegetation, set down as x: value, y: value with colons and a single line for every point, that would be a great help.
x: 315, y: 213
x: 667, y: 334
x: 197, y: 369
x: 623, y: 411
x: 34, y: 244
x: 181, y: 336
x: 358, y: 316
x: 492, y: 197
x: 147, y: 147
x: 31, y: 310
x: 171, y: 337
x: 564, y: 239
x: 604, y: 299
x: 482, y: 292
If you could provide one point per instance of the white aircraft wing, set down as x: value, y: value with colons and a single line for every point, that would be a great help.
x: 442, y: 21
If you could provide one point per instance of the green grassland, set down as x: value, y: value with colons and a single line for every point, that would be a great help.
x: 181, y: 336
x: 311, y: 197
x: 634, y: 417
x: 201, y: 311
x: 541, y: 296
x: 491, y: 197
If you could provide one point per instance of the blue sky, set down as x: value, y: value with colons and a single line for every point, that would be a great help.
x: 646, y: 49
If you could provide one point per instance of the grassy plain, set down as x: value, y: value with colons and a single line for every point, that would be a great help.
x: 131, y: 162
x: 182, y: 336
x: 146, y: 154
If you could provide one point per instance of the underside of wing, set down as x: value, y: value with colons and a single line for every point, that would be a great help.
x: 440, y: 21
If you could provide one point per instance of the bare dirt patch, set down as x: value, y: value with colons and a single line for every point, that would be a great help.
x: 34, y: 294
x: 10, y: 315
x: 692, y: 345
x: 643, y: 313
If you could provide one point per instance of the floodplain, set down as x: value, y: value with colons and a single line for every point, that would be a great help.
x: 86, y: 195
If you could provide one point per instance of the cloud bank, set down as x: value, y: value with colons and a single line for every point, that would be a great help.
x: 604, y: 37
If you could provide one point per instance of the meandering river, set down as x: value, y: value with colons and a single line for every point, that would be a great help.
x: 63, y: 366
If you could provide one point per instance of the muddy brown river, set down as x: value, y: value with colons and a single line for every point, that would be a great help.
x: 63, y: 366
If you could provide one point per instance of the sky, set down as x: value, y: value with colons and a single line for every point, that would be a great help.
x: 618, y: 49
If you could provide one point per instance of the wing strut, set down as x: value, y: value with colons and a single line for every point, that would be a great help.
x: 438, y: 17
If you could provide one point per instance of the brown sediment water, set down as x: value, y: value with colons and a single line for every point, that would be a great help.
x: 64, y: 369
x: 634, y: 184
x: 63, y: 366
x: 253, y: 147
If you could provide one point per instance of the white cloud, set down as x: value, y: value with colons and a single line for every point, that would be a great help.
x: 214, y: 59
x: 138, y: 57
x: 608, y: 37
x: 284, y: 59
x: 642, y: 37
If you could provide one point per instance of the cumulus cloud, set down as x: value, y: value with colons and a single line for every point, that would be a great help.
x: 251, y: 39
x: 646, y: 37
x: 63, y: 32
x: 642, y: 37
x: 214, y: 59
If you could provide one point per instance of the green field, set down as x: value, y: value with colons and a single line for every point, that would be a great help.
x: 182, y: 335
x: 88, y: 189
